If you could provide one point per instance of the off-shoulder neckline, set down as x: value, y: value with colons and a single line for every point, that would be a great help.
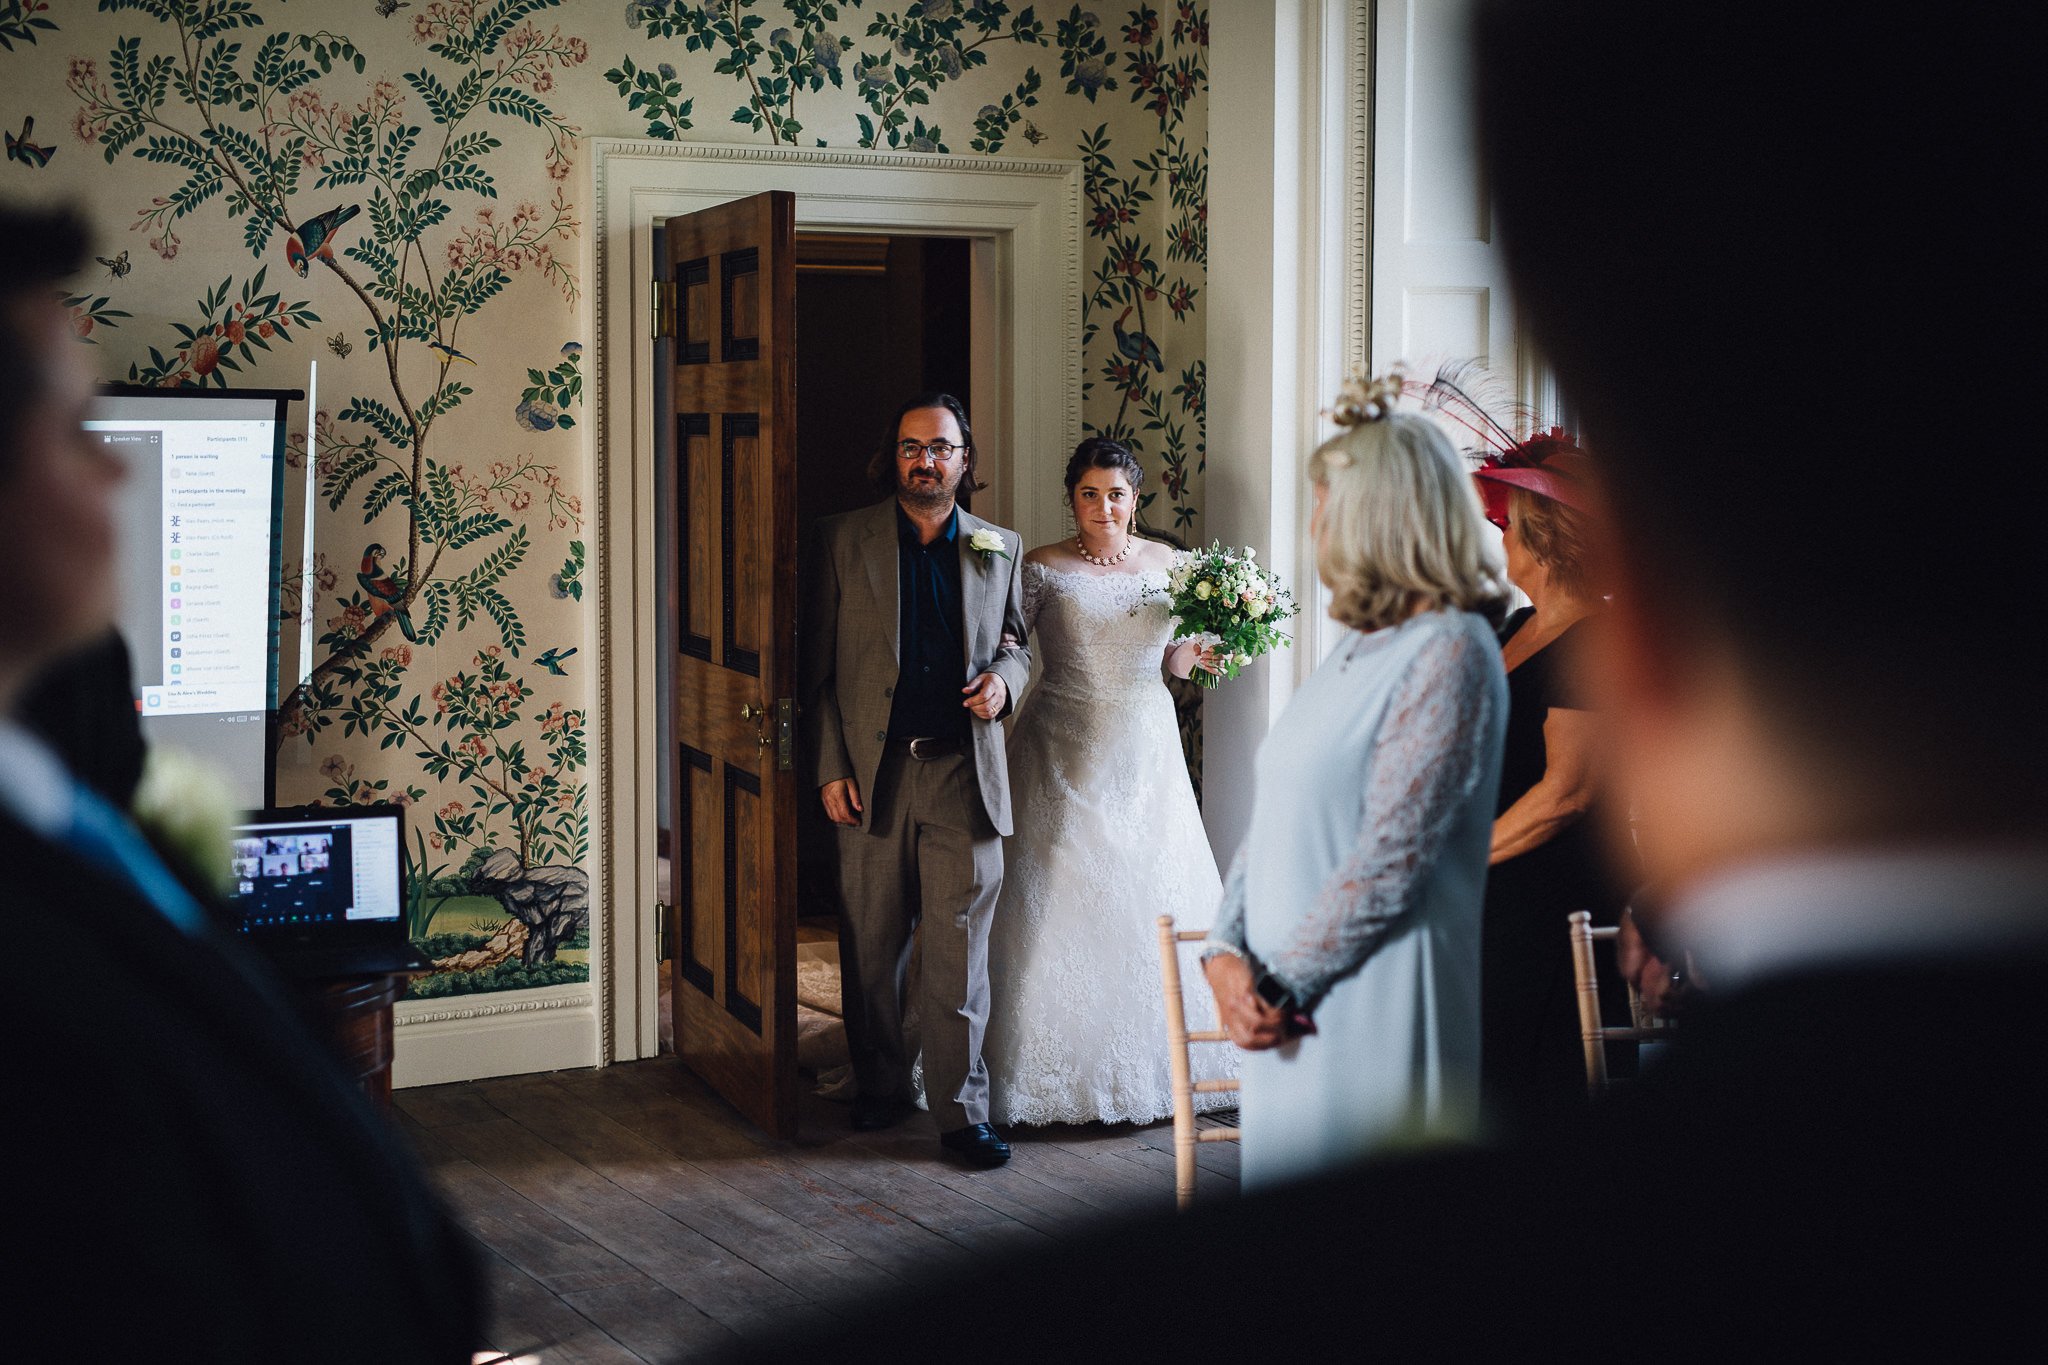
x: 1088, y: 573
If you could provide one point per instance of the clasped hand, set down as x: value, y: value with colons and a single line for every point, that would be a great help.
x: 986, y: 696
x: 1251, y: 1023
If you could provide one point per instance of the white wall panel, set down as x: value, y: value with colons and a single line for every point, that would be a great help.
x: 1439, y: 278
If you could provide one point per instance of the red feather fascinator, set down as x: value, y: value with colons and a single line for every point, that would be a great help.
x: 1549, y: 463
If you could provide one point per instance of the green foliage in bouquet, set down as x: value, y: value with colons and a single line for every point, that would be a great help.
x: 1225, y: 596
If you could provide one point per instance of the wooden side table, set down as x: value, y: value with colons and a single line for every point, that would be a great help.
x: 352, y: 1015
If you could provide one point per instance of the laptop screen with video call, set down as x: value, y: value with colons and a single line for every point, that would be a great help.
x: 323, y: 871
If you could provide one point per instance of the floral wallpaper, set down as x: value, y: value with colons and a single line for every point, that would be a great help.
x: 397, y: 188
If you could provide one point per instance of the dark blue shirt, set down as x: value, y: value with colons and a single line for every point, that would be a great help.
x: 928, y: 698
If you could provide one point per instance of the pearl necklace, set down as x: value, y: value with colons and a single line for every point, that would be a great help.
x: 1119, y: 557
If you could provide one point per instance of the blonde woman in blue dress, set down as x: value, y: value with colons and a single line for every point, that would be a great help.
x: 1345, y: 958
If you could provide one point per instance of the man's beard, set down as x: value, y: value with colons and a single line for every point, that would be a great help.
x: 931, y: 494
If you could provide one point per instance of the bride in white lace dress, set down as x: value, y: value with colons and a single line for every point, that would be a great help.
x: 1108, y: 833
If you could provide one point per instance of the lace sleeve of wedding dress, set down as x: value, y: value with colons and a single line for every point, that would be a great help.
x: 1423, y: 768
x: 1034, y: 594
x: 1226, y: 935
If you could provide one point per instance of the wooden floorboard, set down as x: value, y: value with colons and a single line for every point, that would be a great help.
x: 631, y: 1215
x: 527, y: 1319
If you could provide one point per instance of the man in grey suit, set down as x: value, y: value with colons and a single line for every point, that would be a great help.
x: 906, y: 681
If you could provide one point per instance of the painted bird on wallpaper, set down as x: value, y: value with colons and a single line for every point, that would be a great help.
x: 315, y: 237
x: 447, y: 352
x: 31, y: 154
x: 1136, y: 345
x: 552, y: 661
x: 387, y: 594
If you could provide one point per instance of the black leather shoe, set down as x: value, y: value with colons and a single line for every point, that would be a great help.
x: 871, y: 1115
x: 977, y: 1145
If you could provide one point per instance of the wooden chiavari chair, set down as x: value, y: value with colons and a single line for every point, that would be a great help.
x: 1592, y: 1033
x: 1185, y: 1086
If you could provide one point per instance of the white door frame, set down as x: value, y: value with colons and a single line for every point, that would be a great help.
x: 1026, y: 219
x: 1289, y: 291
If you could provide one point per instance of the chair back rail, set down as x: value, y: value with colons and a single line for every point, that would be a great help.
x: 1592, y: 1035
x: 1185, y: 1087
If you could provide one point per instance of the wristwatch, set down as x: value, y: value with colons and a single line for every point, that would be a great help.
x: 1275, y: 992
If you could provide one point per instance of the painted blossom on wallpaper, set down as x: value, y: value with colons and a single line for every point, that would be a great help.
x: 226, y: 332
x: 22, y: 20
x: 548, y: 399
x: 1130, y: 288
x: 778, y: 51
x: 391, y: 197
x: 252, y: 143
x: 902, y: 58
x: 254, y: 130
x: 90, y: 312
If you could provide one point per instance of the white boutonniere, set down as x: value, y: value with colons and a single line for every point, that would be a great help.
x: 988, y: 543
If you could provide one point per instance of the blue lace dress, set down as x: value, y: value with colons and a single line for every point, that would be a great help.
x: 1360, y: 884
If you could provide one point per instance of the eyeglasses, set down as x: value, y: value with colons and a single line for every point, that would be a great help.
x: 941, y: 451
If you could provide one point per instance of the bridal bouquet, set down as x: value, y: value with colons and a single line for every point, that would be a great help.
x: 1226, y: 598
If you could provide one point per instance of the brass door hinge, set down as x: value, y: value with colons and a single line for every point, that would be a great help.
x: 785, y: 734
x: 661, y: 931
x: 664, y: 308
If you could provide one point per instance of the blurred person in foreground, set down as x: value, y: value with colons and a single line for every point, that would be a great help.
x: 207, y: 1184
x: 1731, y: 212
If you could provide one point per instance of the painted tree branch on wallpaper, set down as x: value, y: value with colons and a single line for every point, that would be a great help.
x: 243, y: 122
x: 926, y: 45
x: 790, y: 59
x: 1127, y: 279
x: 262, y: 132
x: 406, y: 209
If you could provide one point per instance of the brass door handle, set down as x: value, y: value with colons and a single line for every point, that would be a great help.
x: 749, y: 711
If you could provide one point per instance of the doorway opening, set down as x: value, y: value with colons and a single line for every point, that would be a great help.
x: 879, y: 318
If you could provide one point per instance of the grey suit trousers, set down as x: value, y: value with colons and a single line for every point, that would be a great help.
x: 929, y: 854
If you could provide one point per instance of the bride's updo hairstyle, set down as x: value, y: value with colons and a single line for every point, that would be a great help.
x: 1401, y: 524
x: 1099, y: 452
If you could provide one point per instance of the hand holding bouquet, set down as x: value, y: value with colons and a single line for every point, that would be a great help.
x: 1224, y: 597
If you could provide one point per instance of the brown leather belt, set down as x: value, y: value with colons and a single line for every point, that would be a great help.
x: 924, y: 750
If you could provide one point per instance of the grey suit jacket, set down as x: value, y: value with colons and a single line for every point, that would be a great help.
x: 850, y: 654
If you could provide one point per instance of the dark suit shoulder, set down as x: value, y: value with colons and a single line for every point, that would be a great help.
x: 207, y: 1151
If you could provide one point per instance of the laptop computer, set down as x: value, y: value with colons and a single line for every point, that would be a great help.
x: 321, y: 890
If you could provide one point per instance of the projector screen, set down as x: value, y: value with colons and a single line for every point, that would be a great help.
x: 201, y: 516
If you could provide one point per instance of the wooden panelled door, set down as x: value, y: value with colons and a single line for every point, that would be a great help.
x: 730, y: 290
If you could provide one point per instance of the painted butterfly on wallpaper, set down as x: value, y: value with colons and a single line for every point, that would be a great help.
x: 117, y: 266
x: 340, y: 344
x: 32, y: 154
x: 1031, y: 133
x: 387, y: 8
